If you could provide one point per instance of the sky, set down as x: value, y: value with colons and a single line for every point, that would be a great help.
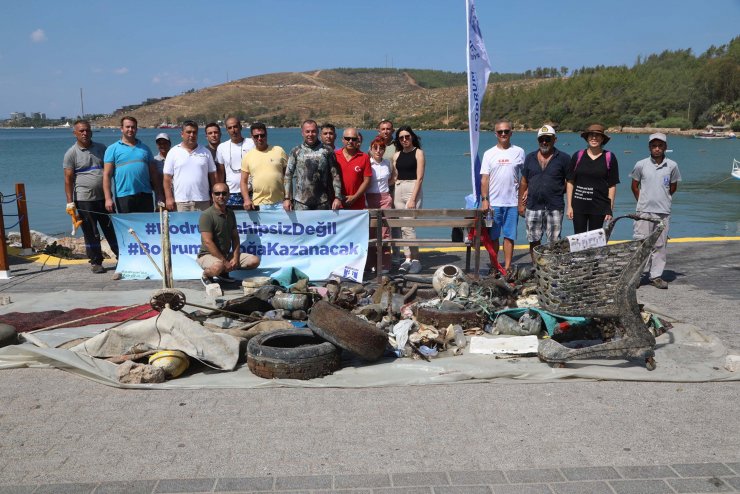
x: 125, y: 52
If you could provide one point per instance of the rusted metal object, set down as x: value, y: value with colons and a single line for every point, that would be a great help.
x: 599, y: 282
x: 347, y: 331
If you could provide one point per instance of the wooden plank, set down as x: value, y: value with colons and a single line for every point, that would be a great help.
x: 418, y: 223
x: 425, y: 213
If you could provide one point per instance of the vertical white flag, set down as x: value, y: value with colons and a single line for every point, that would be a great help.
x: 479, y: 68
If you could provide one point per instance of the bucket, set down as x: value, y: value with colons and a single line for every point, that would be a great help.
x: 172, y: 362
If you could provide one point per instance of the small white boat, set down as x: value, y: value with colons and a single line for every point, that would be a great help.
x: 736, y: 169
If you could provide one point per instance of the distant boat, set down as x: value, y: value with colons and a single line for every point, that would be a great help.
x: 736, y: 169
x: 714, y: 132
x: 165, y: 125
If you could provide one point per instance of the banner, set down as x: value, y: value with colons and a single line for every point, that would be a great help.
x: 479, y: 68
x: 319, y: 243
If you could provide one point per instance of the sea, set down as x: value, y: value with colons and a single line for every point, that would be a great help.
x: 707, y: 203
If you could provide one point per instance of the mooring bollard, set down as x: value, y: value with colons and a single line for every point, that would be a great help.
x: 20, y: 200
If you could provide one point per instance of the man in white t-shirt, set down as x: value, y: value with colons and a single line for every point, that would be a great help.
x: 499, y: 185
x: 189, y: 171
x: 229, y: 155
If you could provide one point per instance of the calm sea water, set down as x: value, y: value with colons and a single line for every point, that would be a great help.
x: 707, y: 202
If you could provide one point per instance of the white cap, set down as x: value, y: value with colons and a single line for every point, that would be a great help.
x: 658, y: 135
x: 546, y: 130
x: 162, y: 135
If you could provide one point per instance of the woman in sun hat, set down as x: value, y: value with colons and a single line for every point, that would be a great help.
x: 592, y: 181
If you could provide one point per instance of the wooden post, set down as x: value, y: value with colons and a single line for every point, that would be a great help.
x: 4, y: 266
x: 20, y: 199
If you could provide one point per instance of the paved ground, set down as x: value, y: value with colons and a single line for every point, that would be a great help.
x: 61, y: 433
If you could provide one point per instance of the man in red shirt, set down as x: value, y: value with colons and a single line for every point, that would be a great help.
x: 356, y: 170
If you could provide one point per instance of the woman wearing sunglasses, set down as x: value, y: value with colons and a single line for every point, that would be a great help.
x: 408, y: 161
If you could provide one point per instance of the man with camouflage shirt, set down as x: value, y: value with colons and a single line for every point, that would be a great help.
x: 312, y: 177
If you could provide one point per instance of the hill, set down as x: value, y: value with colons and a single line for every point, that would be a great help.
x: 671, y: 89
x: 344, y: 97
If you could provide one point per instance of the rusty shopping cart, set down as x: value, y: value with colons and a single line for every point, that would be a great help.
x: 597, y: 282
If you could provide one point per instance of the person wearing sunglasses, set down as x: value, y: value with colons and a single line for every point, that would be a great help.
x: 499, y: 185
x: 654, y: 181
x: 219, y: 250
x: 541, y: 189
x: 265, y: 166
x: 356, y: 170
x: 592, y: 178
x: 312, y: 177
x: 229, y: 157
x: 189, y: 172
x: 409, y: 162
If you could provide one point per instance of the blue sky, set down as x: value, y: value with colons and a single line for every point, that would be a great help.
x: 124, y: 52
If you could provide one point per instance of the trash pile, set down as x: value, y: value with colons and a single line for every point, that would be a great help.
x: 283, y: 327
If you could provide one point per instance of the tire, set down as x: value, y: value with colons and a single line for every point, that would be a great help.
x: 347, y: 331
x: 291, y: 354
x: 8, y: 335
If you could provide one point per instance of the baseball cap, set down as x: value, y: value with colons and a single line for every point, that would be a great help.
x: 162, y: 135
x: 658, y: 135
x: 546, y: 130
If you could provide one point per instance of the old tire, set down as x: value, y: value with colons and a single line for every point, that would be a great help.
x: 347, y: 331
x: 291, y: 354
x: 443, y: 318
x: 8, y: 335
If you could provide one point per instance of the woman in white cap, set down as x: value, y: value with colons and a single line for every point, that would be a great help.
x: 592, y: 181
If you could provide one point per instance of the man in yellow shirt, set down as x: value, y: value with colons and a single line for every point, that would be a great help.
x: 265, y: 164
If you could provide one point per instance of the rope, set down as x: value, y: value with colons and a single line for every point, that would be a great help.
x: 3, y: 196
x: 725, y: 180
x: 13, y: 225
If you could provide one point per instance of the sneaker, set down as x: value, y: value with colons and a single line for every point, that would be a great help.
x: 225, y: 278
x: 659, y: 283
x: 415, y: 267
x: 404, y: 267
x: 97, y: 269
x: 206, y: 280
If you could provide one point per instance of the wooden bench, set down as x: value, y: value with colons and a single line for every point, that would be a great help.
x: 418, y: 218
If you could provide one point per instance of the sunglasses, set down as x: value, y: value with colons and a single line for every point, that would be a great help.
x: 503, y: 132
x: 404, y: 137
x: 220, y: 193
x: 544, y: 139
x: 259, y: 136
x: 351, y: 139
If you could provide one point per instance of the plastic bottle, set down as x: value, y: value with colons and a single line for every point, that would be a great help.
x: 460, y: 339
x: 506, y: 325
x: 531, y: 323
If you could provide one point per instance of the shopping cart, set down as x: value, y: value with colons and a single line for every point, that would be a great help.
x: 597, y: 282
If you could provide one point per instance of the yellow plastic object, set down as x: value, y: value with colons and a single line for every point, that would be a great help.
x: 76, y: 220
x: 172, y: 362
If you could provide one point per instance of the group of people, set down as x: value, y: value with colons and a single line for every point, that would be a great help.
x: 249, y: 174
x: 538, y: 186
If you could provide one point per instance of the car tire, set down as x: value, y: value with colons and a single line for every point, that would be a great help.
x: 347, y: 331
x: 8, y: 335
x: 291, y: 354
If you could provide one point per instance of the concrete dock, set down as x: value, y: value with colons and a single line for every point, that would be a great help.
x: 65, y: 434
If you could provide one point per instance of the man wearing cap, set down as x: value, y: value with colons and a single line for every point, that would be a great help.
x: 163, y: 145
x: 229, y: 158
x: 499, y: 184
x: 654, y: 181
x: 541, y: 189
x: 189, y: 171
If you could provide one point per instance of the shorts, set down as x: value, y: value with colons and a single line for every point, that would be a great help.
x: 505, y: 220
x: 193, y: 205
x: 278, y: 206
x: 207, y: 260
x: 543, y: 221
